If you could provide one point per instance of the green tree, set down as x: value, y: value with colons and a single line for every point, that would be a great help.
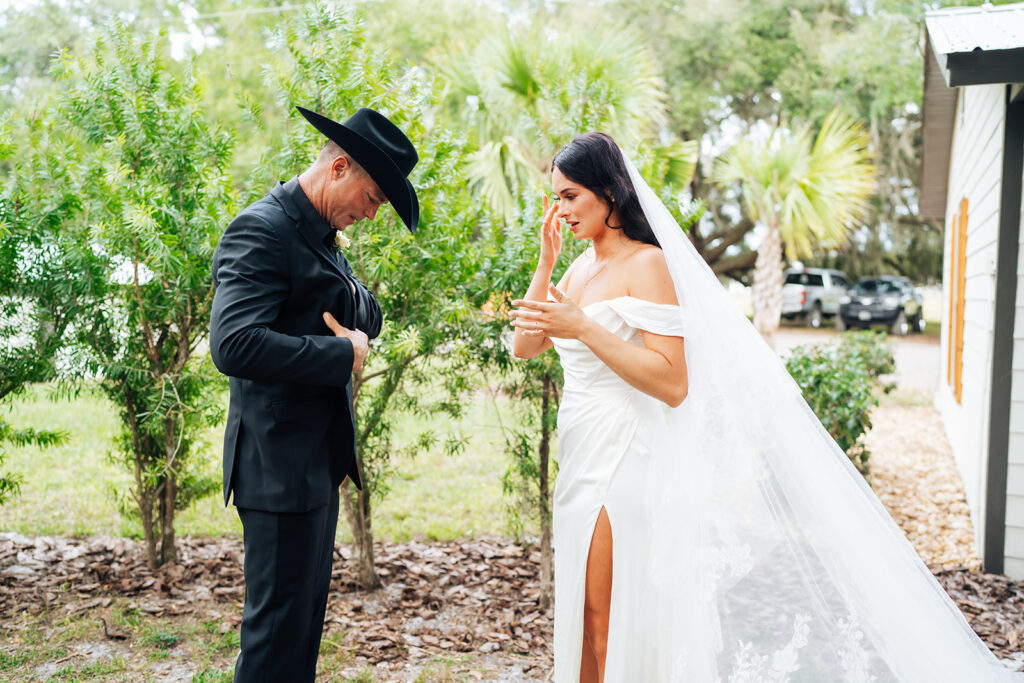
x: 801, y: 194
x: 31, y: 33
x: 138, y: 238
x: 421, y: 363
x: 738, y: 65
x: 422, y: 33
x: 33, y: 313
x: 725, y: 63
x: 533, y: 385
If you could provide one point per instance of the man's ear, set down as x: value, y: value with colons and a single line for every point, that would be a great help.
x: 340, y: 166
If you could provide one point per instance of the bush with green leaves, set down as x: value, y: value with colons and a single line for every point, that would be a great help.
x: 837, y: 382
x: 147, y: 197
x: 34, y: 307
x: 870, y: 349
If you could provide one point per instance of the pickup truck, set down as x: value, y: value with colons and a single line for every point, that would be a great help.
x: 812, y: 294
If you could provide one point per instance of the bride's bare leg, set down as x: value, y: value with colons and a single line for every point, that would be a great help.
x: 597, y: 602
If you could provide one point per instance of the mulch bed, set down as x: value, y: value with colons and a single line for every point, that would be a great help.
x: 482, y: 596
x: 479, y: 596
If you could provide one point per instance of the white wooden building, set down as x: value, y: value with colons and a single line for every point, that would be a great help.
x: 973, y: 147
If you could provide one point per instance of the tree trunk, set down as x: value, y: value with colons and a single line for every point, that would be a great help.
x: 357, y: 509
x: 168, y: 544
x: 544, y: 451
x: 144, y: 499
x: 767, y: 287
x: 357, y: 506
x: 143, y: 493
x: 168, y: 489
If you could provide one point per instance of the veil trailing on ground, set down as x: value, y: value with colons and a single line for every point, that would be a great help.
x: 774, y: 561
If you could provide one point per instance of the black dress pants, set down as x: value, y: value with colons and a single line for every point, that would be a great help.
x: 287, y: 576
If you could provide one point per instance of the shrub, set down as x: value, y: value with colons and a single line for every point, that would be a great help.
x: 837, y: 382
x: 871, y: 350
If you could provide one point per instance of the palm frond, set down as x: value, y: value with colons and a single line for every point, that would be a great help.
x: 673, y: 163
x: 525, y: 94
x: 497, y: 170
x: 813, y: 191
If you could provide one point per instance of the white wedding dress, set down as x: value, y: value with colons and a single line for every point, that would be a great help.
x: 608, y: 433
x: 746, y: 546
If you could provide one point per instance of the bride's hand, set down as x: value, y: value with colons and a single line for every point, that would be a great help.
x: 550, y: 236
x: 564, y: 319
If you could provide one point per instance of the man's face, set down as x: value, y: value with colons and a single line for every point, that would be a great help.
x: 351, y: 195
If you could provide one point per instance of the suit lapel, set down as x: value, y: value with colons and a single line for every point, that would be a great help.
x: 306, y: 230
x: 314, y: 241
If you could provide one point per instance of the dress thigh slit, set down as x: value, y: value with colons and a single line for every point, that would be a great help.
x: 603, y: 598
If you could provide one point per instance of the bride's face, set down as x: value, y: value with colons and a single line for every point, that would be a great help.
x: 582, y: 210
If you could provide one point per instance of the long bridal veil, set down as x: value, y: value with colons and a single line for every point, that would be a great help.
x: 774, y: 560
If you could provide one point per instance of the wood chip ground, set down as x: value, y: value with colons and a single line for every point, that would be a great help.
x: 477, y: 602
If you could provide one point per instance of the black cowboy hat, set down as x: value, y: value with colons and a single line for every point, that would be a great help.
x: 382, y: 150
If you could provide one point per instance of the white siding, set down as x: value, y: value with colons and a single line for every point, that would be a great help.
x: 975, y: 168
x: 1014, y: 566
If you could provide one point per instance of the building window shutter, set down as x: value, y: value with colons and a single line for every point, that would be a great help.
x: 954, y: 241
x: 961, y: 282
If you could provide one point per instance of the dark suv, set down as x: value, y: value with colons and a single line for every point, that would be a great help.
x: 883, y: 300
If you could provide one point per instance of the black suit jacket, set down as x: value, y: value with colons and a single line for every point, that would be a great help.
x: 290, y: 437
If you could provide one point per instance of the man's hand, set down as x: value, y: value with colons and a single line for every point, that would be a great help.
x: 360, y: 342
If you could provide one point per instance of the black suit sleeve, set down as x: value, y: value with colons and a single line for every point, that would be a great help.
x: 368, y: 316
x: 252, y: 286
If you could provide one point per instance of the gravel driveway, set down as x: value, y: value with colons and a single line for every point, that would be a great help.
x: 917, y: 356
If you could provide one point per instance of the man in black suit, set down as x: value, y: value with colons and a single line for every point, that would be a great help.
x: 290, y: 324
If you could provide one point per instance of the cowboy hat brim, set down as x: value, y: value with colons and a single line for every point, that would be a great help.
x: 376, y: 162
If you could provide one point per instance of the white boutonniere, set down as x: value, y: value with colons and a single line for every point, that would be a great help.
x: 341, y: 241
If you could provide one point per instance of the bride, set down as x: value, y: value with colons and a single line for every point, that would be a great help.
x: 706, y: 527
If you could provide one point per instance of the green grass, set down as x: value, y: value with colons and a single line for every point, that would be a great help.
x: 54, y: 646
x: 64, y: 489
x: 214, y: 676
x: 70, y: 489
x: 439, y: 497
x: 932, y: 328
x: 161, y: 638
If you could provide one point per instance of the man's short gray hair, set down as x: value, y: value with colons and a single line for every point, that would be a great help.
x: 332, y: 150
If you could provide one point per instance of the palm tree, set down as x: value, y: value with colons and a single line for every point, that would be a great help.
x: 801, y: 194
x: 526, y: 94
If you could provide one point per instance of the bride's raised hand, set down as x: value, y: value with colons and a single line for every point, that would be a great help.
x: 550, y: 236
x: 561, y: 318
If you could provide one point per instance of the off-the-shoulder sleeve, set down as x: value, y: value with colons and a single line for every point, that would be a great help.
x: 664, y: 319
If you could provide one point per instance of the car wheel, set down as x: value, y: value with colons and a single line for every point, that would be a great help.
x: 917, y: 323
x: 900, y: 326
x: 814, y: 317
x: 840, y: 324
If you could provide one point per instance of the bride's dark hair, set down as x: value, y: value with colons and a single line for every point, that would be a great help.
x: 594, y: 161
